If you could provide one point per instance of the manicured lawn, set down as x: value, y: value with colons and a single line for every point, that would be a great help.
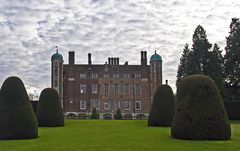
x: 100, y: 135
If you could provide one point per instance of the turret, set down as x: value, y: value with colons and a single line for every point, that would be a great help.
x: 155, y: 72
x: 57, y: 73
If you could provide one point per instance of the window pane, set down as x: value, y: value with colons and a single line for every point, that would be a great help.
x: 138, y: 105
x: 106, y: 75
x: 137, y: 76
x: 126, y: 88
x: 96, y: 104
x: 116, y: 88
x: 82, y: 104
x: 116, y: 104
x: 107, y: 104
x: 138, y: 89
x: 127, y: 105
x: 94, y: 75
x: 94, y: 88
x: 83, y: 89
x: 106, y: 88
x: 126, y: 76
x: 115, y: 75
x: 82, y: 75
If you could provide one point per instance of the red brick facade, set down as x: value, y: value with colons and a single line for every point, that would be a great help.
x: 109, y: 86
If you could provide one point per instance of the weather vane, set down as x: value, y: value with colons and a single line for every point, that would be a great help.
x: 57, y: 48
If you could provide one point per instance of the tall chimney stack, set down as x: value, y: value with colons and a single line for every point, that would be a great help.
x: 89, y: 59
x: 143, y: 57
x: 109, y: 60
x: 117, y: 61
x: 71, y: 57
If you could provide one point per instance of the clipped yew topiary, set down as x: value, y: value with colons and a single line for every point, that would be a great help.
x: 118, y: 115
x: 94, y: 114
x: 200, y: 113
x: 49, y: 111
x: 17, y: 119
x: 162, y: 110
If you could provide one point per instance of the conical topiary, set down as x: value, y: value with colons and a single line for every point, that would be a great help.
x: 94, y: 114
x: 162, y: 110
x: 200, y: 113
x: 49, y: 111
x: 17, y: 119
x: 118, y: 115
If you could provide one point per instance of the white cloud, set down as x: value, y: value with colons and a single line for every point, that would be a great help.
x: 31, y: 29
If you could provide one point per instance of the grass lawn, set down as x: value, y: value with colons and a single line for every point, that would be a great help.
x: 124, y: 135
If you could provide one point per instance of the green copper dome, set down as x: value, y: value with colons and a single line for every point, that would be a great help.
x: 156, y: 57
x: 57, y: 56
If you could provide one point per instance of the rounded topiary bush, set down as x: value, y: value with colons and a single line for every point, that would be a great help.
x: 200, y: 113
x: 17, y: 119
x: 49, y: 110
x: 162, y: 110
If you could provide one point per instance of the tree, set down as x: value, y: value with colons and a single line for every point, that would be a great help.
x: 49, y: 110
x: 94, y: 114
x: 215, y: 69
x: 118, y: 115
x: 17, y: 119
x: 200, y: 113
x: 232, y: 57
x: 198, y: 59
x: 183, y: 69
x: 162, y: 110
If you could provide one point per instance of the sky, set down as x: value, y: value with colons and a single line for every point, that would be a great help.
x: 30, y: 30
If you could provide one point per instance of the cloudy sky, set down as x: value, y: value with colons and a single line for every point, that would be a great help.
x: 30, y: 30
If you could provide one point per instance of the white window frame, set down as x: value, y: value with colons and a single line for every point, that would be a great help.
x: 125, y: 105
x: 138, y: 92
x: 105, y: 75
x: 106, y: 88
x: 94, y: 75
x: 126, y: 76
x: 96, y: 106
x: 128, y: 92
x: 137, y: 76
x: 83, y: 104
x: 83, y: 76
x: 140, y: 105
x: 84, y: 90
x: 116, y: 75
x: 116, y: 88
x: 94, y: 88
x: 109, y: 105
x: 117, y: 104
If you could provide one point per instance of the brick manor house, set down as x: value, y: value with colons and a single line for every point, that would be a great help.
x: 107, y: 86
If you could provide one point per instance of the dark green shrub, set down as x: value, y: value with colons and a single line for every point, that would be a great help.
x: 118, y: 115
x: 200, y: 113
x: 162, y: 110
x: 233, y: 110
x: 17, y: 119
x: 94, y: 114
x: 49, y: 111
